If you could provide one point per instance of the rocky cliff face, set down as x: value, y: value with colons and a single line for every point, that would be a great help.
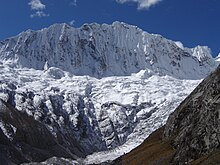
x: 23, y: 139
x: 195, y: 125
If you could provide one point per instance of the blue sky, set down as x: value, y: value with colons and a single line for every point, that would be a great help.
x: 193, y: 22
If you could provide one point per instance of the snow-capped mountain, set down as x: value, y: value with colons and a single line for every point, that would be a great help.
x: 105, y: 50
x: 99, y: 87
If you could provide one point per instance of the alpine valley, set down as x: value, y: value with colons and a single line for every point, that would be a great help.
x: 90, y: 94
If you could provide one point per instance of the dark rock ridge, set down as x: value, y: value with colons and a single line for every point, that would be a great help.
x: 195, y: 124
x: 23, y: 139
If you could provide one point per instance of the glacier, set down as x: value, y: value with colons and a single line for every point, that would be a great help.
x: 100, y: 89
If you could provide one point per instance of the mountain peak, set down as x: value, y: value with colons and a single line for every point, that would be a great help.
x: 202, y: 53
x: 105, y: 50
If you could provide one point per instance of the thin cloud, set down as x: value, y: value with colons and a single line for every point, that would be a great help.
x: 38, y: 7
x: 73, y: 3
x: 72, y: 22
x: 142, y: 4
x: 39, y: 14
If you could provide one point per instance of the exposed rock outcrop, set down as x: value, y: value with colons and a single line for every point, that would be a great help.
x: 195, y: 124
x: 23, y: 139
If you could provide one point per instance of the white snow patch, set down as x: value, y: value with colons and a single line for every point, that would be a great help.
x: 179, y: 44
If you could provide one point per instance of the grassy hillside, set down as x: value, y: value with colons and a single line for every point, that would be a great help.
x: 155, y: 151
x: 152, y: 151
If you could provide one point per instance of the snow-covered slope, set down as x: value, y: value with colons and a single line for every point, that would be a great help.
x: 99, y: 87
x: 217, y: 59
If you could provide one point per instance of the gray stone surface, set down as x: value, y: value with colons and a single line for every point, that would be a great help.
x: 194, y: 127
